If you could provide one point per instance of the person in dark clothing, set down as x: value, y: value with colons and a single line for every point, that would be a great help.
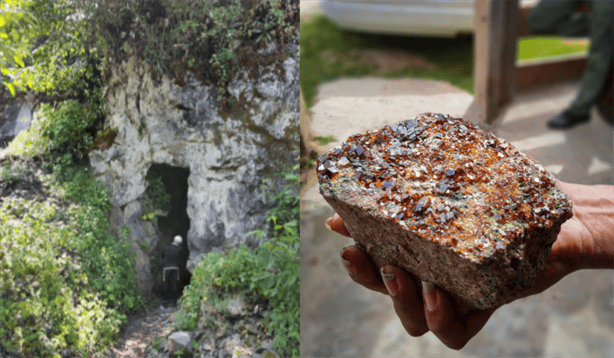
x: 560, y: 18
x: 171, y: 273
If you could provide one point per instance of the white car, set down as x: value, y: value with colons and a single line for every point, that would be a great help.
x: 440, y: 18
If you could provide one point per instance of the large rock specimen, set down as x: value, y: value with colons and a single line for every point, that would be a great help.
x: 229, y: 148
x: 448, y: 202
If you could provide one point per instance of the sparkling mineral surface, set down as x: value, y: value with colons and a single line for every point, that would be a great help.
x: 448, y: 182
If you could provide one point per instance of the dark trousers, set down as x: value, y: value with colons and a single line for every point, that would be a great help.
x: 560, y: 18
x: 171, y: 285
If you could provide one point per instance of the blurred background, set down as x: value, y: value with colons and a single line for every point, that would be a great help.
x: 360, y: 73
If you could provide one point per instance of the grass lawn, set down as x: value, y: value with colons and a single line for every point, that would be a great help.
x: 539, y: 47
x: 328, y: 53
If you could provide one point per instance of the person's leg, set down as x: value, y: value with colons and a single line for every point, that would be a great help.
x: 599, y: 58
x: 558, y: 18
x: 175, y: 287
x: 598, y: 66
x: 166, y: 288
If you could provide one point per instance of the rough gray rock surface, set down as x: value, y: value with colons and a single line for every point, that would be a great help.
x: 448, y: 202
x: 229, y: 151
x: 179, y: 343
x: 14, y: 119
x: 236, y: 307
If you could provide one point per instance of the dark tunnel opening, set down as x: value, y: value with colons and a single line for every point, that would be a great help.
x: 176, y: 222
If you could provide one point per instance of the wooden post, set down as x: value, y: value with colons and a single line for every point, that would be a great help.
x: 307, y: 149
x: 508, y: 62
x: 496, y: 26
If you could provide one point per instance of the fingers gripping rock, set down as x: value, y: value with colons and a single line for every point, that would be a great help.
x: 452, y: 204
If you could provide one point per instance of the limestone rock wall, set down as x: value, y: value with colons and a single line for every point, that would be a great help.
x: 14, y: 119
x: 229, y: 151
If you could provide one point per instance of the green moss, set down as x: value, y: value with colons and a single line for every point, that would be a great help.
x: 104, y: 139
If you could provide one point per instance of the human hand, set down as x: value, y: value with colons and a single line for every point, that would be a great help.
x: 423, y: 307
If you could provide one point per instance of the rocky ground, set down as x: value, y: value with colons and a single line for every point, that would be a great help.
x: 151, y: 333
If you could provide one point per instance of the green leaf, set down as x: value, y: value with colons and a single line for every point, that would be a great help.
x: 19, y: 61
x: 11, y: 88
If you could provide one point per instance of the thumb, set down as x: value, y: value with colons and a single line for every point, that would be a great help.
x: 335, y: 223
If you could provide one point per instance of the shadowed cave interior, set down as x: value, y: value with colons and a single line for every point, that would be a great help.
x: 177, y: 222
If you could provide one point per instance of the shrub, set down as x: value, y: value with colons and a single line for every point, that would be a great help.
x: 63, y: 128
x: 110, y: 262
x: 7, y: 174
x: 65, y: 282
x: 64, y: 47
x: 207, y: 38
x: 30, y: 142
x: 271, y: 272
x: 44, y: 39
x: 66, y: 125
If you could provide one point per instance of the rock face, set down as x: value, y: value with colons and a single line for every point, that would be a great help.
x: 14, y: 119
x: 180, y: 343
x: 454, y: 205
x: 228, y: 150
x: 235, y: 307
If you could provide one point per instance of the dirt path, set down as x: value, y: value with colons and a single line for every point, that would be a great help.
x: 142, y: 330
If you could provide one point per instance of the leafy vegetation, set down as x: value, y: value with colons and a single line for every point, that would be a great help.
x: 14, y: 23
x: 50, y: 39
x: 158, y: 202
x: 78, y: 42
x: 66, y: 282
x: 61, y: 129
x: 270, y: 273
x: 8, y: 175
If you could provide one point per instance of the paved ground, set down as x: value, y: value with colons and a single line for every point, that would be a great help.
x: 340, y: 318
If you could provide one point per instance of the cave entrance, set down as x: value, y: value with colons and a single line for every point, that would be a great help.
x: 176, y: 222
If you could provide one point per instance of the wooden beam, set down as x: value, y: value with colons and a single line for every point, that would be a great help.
x: 508, y: 62
x: 480, y: 54
x: 496, y: 28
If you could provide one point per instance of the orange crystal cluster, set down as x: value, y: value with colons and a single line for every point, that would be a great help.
x: 449, y: 182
